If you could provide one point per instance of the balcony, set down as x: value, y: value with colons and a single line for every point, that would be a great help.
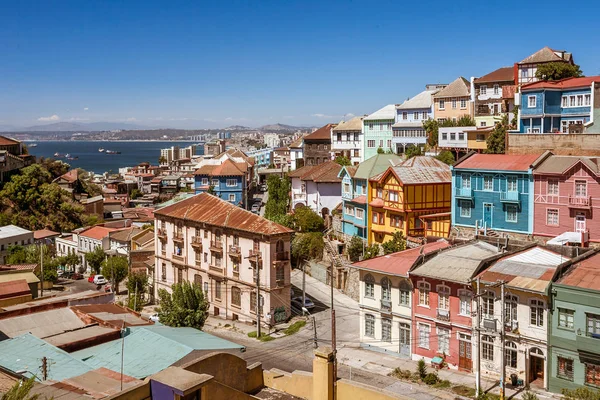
x: 489, y: 324
x: 215, y: 268
x: 386, y: 305
x: 511, y: 326
x: 162, y: 234
x: 178, y: 258
x: 254, y: 256
x: 235, y: 252
x: 197, y: 242
x: 443, y: 314
x: 463, y: 193
x: 178, y: 236
x: 216, y: 246
x: 587, y: 343
x: 510, y: 197
x: 580, y: 202
x: 282, y: 256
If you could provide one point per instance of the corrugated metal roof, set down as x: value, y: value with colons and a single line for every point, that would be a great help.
x: 212, y: 210
x: 422, y: 100
x: 7, y: 231
x: 498, y: 162
x: 41, y: 324
x: 14, y: 288
x: 101, y: 383
x: 194, y: 338
x: 26, y: 351
x: 459, y: 88
x: 421, y: 169
x: 561, y: 164
x: 387, y: 112
x: 376, y: 165
x: 78, y: 335
x: 585, y: 274
x: 8, y: 276
x: 502, y: 74
x: 354, y: 124
x: 458, y: 264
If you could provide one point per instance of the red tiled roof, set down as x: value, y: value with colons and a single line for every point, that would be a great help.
x: 585, y: 274
x: 226, y: 168
x: 498, y: 162
x: 503, y: 74
x: 4, y: 141
x: 212, y: 210
x: 70, y: 176
x: 44, y: 233
x: 360, y: 199
x: 322, y: 173
x: 14, y: 288
x: 323, y: 133
x: 400, y: 263
x: 97, y: 232
x: 377, y: 202
x: 568, y: 83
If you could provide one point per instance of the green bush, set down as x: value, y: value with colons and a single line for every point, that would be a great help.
x: 252, y: 334
x: 582, y: 393
x: 443, y: 384
x: 527, y: 395
x: 263, y: 337
x: 295, y: 327
x: 430, y: 379
x: 422, y: 368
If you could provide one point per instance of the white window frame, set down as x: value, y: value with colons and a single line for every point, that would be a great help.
x: 463, y: 104
x: 231, y: 182
x: 369, y: 283
x: 349, y: 210
x: 512, y: 184
x: 496, y: 88
x: 465, y: 208
x: 215, y: 182
x: 371, y: 143
x: 231, y: 197
x: 443, y: 292
x: 572, y: 101
x: 442, y: 104
x: 567, y: 316
x: 488, y: 183
x: 424, y: 335
x: 553, y: 211
x: 530, y: 103
x: 587, y: 100
x: 536, y: 307
x: 564, y: 102
x: 487, y: 348
x: 443, y: 335
x: 386, y: 325
x: 369, y: 325
x: 204, y: 181
x: 507, y: 213
x: 454, y: 102
x: 416, y: 115
x: 487, y: 304
x: 359, y: 211
x: 393, y: 195
x: 424, y: 289
x: 483, y: 90
x: 465, y: 302
x: 553, y: 184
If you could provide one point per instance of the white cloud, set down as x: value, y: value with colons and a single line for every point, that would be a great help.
x: 319, y: 115
x: 86, y: 108
x: 349, y: 115
x: 50, y: 118
x: 228, y: 119
x: 78, y: 119
x: 131, y: 119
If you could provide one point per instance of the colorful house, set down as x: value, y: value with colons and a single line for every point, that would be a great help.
x: 453, y: 101
x: 494, y: 192
x: 227, y: 179
x: 347, y: 140
x: 398, y: 197
x: 462, y: 139
x: 317, y: 187
x: 354, y: 192
x: 527, y: 68
x: 574, y: 341
x: 317, y: 146
x: 567, y: 192
x: 377, y: 130
x: 564, y: 106
x: 491, y: 105
x: 386, y: 299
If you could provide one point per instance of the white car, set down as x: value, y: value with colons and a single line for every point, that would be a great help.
x: 154, y: 318
x: 100, y: 280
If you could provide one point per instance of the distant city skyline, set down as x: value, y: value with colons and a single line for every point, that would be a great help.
x: 202, y: 64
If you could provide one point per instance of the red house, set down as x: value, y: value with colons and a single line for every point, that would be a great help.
x: 443, y: 301
x: 566, y: 191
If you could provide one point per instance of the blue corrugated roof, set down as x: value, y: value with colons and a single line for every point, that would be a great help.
x: 25, y: 353
x: 191, y: 337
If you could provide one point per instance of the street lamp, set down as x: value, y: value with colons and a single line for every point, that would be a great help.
x: 305, y: 311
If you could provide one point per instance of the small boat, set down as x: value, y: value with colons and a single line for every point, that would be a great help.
x: 58, y: 155
x: 112, y: 152
x: 67, y: 155
x: 33, y: 145
x: 101, y: 150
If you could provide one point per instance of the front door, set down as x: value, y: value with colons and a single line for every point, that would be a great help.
x: 487, y: 215
x: 580, y: 222
x: 465, y: 361
x: 537, y: 368
x: 404, y: 340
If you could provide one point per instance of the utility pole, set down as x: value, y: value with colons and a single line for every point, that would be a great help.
x: 257, y: 298
x: 315, y: 332
x: 303, y: 284
x: 42, y: 268
x: 44, y: 368
x: 478, y: 339
x: 502, y: 334
x: 333, y: 344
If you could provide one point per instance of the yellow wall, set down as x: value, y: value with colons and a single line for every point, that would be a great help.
x: 440, y: 227
x: 449, y: 112
x: 297, y: 383
x: 472, y: 142
x: 11, y: 301
x: 348, y: 390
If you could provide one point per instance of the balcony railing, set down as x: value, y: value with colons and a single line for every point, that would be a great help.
x: 162, y: 234
x: 282, y: 256
x: 580, y: 201
x: 178, y: 235
x: 235, y: 251
x: 443, y: 314
x: 510, y: 197
x: 386, y: 305
x: 178, y: 257
x: 197, y: 242
x: 464, y: 193
x: 216, y: 245
x: 254, y: 255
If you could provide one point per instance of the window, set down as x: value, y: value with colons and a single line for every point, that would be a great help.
x: 380, y: 193
x: 424, y: 331
x: 564, y: 368
x: 487, y: 348
x: 215, y: 182
x: 370, y: 143
x: 465, y: 302
x: 443, y: 340
x: 587, y: 100
x: 404, y: 334
x: 483, y: 90
x: 552, y: 187
x: 444, y: 136
x: 404, y: 115
x: 346, y: 188
x: 571, y: 101
x: 424, y: 289
x: 443, y: 297
x: 593, y: 324
x: 580, y: 188
x: 405, y: 290
x: 425, y: 115
x: 453, y: 104
x: 483, y: 123
x: 381, y: 126
x: 396, y: 221
x: 369, y: 325
x: 511, y: 183
x: 466, y: 181
x: 488, y: 304
x: 488, y: 182
x: 496, y: 89
x: 565, y: 101
x: 480, y: 137
x: 465, y: 208
x: 524, y: 73
x: 164, y: 272
x: 511, y: 355
x: 205, y: 234
x: 511, y: 213
x: 205, y: 257
x: 536, y: 313
x: 231, y: 182
x: 461, y: 136
x: 510, y: 309
x: 463, y: 103
x: 531, y: 101
x: 371, y: 127
x: 349, y: 210
x: 416, y: 115
x: 566, y: 318
x: 232, y: 198
x: 218, y: 290
x: 356, y: 152
x: 369, y: 286
x: 442, y: 105
x: 389, y: 143
x: 280, y: 274
x: 381, y: 143
x: 204, y: 181
x: 386, y: 289
x: 592, y: 374
x: 552, y: 217
x: 579, y: 100
x: 179, y: 275
x: 253, y: 301
x: 360, y: 213
x: 386, y: 330
x: 393, y: 195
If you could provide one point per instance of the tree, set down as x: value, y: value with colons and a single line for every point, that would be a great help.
x: 56, y: 168
x: 394, y: 245
x: 465, y: 120
x: 162, y: 160
x: 496, y: 141
x: 307, y: 246
x: 20, y: 391
x: 211, y: 190
x: 413, y: 151
x: 446, y: 157
x: 305, y: 219
x: 355, y: 248
x: 431, y: 126
x: 71, y: 260
x: 137, y: 286
x: 343, y: 160
x: 372, y: 251
x: 135, y: 193
x: 279, y: 197
x: 95, y: 258
x: 555, y: 71
x: 380, y: 150
x: 582, y: 393
x: 515, y: 118
x: 115, y: 269
x: 185, y: 307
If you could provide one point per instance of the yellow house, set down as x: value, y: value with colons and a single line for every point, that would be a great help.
x: 453, y: 101
x: 413, y: 197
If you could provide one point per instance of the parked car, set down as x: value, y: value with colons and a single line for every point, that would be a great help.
x: 255, y: 208
x: 60, y: 272
x: 100, y: 280
x: 108, y: 288
x: 263, y: 187
x: 297, y: 303
x: 154, y: 317
x: 76, y: 276
x: 91, y: 278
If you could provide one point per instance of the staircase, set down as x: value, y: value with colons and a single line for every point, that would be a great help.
x: 339, y: 262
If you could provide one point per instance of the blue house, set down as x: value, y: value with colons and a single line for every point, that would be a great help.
x: 228, y: 180
x: 355, y: 181
x: 494, y: 192
x: 564, y: 106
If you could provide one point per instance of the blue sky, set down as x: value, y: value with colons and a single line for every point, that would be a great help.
x: 211, y: 64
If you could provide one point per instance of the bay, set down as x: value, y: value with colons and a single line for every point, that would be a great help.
x: 91, y: 160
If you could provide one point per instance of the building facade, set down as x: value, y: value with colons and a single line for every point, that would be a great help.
x: 317, y: 146
x: 462, y: 139
x: 12, y: 235
x: 377, y: 131
x: 526, y: 69
x: 347, y: 140
x: 453, y: 101
x: 491, y: 105
x: 226, y: 250
x: 317, y: 187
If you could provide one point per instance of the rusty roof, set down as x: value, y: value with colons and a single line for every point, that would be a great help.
x: 323, y: 133
x: 401, y: 262
x: 97, y: 232
x: 508, y: 91
x: 226, y: 168
x: 214, y: 211
x: 585, y: 274
x: 44, y: 233
x: 419, y: 170
x: 351, y: 170
x: 547, y: 54
x: 567, y: 83
x: 14, y: 288
x: 503, y: 74
x: 561, y: 164
x: 498, y: 162
x: 4, y: 141
x: 322, y: 173
x: 70, y: 176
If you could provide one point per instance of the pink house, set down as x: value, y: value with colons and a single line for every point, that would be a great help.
x: 443, y: 302
x: 566, y: 192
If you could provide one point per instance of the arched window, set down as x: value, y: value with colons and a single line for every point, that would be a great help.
x: 236, y: 296
x: 405, y: 290
x: 279, y: 246
x: 487, y: 348
x: 369, y: 286
x: 386, y: 289
x: 369, y: 325
x: 511, y: 354
x: 424, y: 289
x: 536, y: 352
x: 443, y: 297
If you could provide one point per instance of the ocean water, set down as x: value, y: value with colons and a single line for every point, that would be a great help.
x: 90, y: 159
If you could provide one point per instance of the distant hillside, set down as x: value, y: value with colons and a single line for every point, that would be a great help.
x: 281, y: 127
x: 238, y: 128
x: 79, y: 127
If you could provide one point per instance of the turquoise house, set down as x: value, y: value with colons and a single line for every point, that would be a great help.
x: 377, y: 131
x: 493, y: 192
x: 354, y: 192
x: 228, y: 180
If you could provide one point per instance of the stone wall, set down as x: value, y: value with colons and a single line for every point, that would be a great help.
x: 561, y: 144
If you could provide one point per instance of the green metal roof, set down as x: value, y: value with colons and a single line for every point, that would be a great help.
x: 176, y: 199
x: 25, y: 353
x: 191, y: 337
x: 376, y: 165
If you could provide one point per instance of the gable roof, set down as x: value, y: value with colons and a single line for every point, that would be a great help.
x: 547, y: 54
x: 498, y: 162
x: 296, y: 144
x: 44, y: 233
x: 502, y: 74
x: 400, y: 263
x: 226, y: 168
x: 561, y: 164
x: 419, y: 170
x: 4, y: 141
x: 459, y: 88
x: 70, y: 176
x: 567, y: 83
x: 214, y: 211
x: 125, y: 235
x: 349, y: 169
x: 354, y: 124
x: 323, y: 173
x: 97, y: 232
x: 422, y: 100
x: 387, y: 112
x: 323, y: 133
x: 585, y: 274
x: 376, y: 165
